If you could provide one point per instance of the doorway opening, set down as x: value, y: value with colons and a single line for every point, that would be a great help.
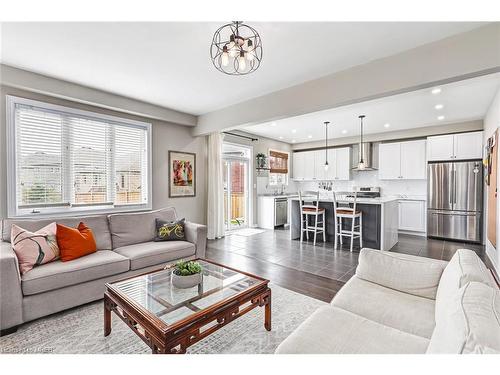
x: 237, y: 182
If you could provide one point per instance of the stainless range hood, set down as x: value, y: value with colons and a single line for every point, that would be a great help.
x: 370, y: 156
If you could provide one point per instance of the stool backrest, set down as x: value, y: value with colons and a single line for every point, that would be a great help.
x: 309, y: 199
x: 345, y: 200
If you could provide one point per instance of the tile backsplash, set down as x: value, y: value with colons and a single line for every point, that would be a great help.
x: 370, y: 178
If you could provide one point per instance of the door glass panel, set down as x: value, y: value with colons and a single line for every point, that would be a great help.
x: 236, y: 186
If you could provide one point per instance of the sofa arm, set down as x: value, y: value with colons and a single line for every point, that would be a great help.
x: 407, y: 273
x: 11, y: 296
x: 197, y: 234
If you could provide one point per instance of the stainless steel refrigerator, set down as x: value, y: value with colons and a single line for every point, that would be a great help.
x: 455, y: 200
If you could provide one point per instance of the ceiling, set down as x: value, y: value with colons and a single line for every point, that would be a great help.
x: 168, y: 63
x: 460, y: 101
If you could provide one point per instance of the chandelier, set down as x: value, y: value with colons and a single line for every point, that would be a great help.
x: 236, y: 49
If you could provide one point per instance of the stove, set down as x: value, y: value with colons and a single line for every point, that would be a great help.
x: 367, y: 191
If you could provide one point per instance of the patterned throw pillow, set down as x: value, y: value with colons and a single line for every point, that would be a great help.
x: 170, y: 230
x: 34, y: 248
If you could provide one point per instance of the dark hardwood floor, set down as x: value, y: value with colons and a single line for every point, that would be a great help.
x: 317, y: 271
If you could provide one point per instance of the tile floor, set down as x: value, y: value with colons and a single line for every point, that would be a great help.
x: 318, y: 271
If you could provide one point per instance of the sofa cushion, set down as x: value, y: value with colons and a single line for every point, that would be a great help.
x: 464, y: 267
x: 98, y: 224
x: 137, y: 227
x: 472, y: 324
x: 330, y: 330
x: 402, y: 311
x: 407, y: 273
x: 60, y: 274
x: 150, y: 253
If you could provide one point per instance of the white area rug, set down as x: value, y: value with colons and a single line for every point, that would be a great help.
x: 80, y: 330
x: 247, y: 232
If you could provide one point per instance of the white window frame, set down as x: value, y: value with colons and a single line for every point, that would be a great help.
x: 11, y: 143
x: 287, y: 175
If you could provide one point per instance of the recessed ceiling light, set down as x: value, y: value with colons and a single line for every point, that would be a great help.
x: 440, y: 117
x: 309, y: 136
x: 273, y: 124
x: 294, y: 130
x: 344, y: 131
x: 436, y: 90
x: 387, y: 125
x: 293, y: 141
x: 281, y: 137
x: 439, y: 106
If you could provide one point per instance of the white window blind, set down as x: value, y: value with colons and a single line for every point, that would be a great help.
x: 71, y: 160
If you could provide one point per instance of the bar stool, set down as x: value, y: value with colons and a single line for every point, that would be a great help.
x: 342, y: 202
x: 309, y: 206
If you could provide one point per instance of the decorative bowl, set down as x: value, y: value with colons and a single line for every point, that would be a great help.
x: 184, y: 282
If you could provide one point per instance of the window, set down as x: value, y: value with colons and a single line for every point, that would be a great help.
x: 66, y: 160
x: 278, y: 163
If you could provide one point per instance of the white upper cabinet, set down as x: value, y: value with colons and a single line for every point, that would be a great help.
x: 413, y: 160
x: 310, y: 165
x: 342, y: 163
x: 319, y: 165
x: 468, y: 145
x: 455, y: 146
x: 298, y: 166
x: 402, y: 160
x: 389, y: 161
x: 440, y: 147
x: 304, y: 165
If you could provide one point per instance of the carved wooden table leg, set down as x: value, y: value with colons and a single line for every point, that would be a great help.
x: 107, y: 316
x: 267, y: 313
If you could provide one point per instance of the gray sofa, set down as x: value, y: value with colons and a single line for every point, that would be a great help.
x: 125, y: 248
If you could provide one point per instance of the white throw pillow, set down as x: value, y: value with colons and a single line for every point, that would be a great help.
x: 464, y: 267
x: 472, y: 324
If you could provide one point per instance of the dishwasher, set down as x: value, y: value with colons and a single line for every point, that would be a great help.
x: 280, y: 211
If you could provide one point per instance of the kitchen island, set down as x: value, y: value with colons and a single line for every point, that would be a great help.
x: 380, y: 221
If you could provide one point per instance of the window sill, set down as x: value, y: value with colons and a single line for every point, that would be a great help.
x: 47, y: 213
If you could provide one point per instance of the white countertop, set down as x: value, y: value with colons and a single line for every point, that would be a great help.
x: 380, y: 200
x: 291, y: 195
x: 404, y: 197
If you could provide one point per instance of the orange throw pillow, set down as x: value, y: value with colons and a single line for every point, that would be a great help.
x: 75, y: 243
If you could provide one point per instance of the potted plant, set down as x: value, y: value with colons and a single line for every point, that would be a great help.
x: 261, y: 160
x: 187, y: 274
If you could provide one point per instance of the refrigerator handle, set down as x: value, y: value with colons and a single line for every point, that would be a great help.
x: 454, y: 174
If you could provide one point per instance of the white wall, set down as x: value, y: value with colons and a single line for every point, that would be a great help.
x: 491, y: 123
x: 166, y: 136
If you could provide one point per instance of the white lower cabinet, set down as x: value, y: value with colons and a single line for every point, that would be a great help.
x: 412, y: 216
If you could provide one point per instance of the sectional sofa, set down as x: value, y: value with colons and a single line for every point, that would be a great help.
x: 125, y: 248
x: 406, y: 304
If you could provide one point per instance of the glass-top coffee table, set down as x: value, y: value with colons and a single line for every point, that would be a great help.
x: 169, y: 319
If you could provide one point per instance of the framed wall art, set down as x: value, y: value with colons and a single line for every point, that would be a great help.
x: 182, y: 174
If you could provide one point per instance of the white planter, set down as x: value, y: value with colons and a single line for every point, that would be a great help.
x: 184, y: 282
